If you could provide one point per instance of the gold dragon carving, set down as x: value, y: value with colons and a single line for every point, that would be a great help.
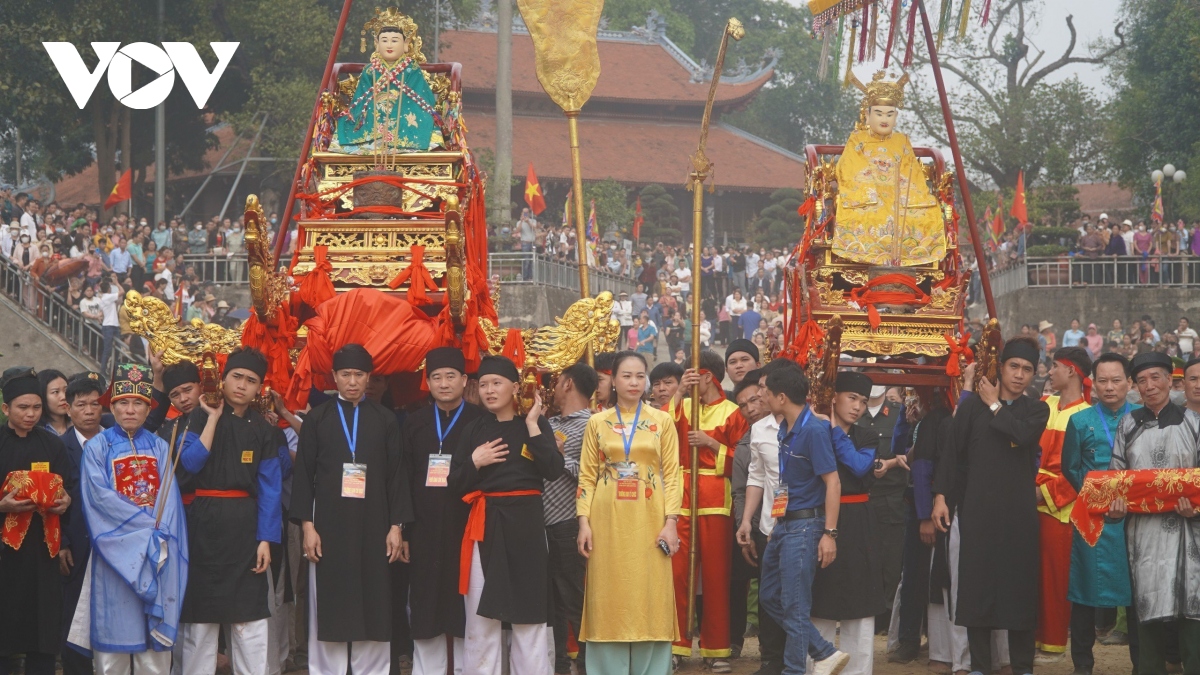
x: 268, y: 289
x: 587, y: 322
x: 150, y: 318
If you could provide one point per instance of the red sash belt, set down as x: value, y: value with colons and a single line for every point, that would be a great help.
x: 856, y: 499
x: 475, y: 529
x: 223, y: 494
x: 188, y: 498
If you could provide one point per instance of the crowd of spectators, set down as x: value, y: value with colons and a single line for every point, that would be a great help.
x: 71, y: 253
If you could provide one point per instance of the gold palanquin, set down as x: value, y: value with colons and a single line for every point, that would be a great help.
x: 829, y: 278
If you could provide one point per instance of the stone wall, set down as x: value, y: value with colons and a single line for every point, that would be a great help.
x: 26, y: 342
x: 530, y: 305
x: 1095, y: 304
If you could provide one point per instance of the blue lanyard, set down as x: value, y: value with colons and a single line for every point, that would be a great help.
x: 1104, y: 423
x: 351, y: 439
x: 784, y: 454
x: 437, y: 417
x: 627, y: 439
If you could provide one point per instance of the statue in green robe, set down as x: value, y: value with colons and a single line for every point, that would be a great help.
x: 392, y: 108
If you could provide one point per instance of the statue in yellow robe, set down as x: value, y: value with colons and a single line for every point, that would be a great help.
x: 886, y: 213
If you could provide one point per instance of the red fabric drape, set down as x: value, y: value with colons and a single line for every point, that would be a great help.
x: 1146, y: 491
x: 866, y: 295
x: 396, y: 333
x: 316, y: 286
x: 957, y: 347
x: 418, y: 276
x: 43, y: 489
x: 275, y: 342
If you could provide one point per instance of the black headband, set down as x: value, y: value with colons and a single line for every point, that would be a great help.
x: 854, y: 383
x: 20, y: 386
x: 353, y: 356
x: 184, y: 372
x: 445, y: 357
x: 498, y: 365
x: 1019, y: 349
x: 252, y: 361
x: 742, y: 345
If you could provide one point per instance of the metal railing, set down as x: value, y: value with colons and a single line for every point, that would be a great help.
x: 533, y: 268
x: 220, y: 269
x: 52, y: 310
x: 1123, y: 271
x: 1008, y: 280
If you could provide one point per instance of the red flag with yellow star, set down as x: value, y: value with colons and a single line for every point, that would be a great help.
x: 121, y: 192
x: 533, y: 192
x: 1018, y: 207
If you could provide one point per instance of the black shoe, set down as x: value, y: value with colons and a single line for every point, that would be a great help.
x: 769, y: 668
x: 1082, y: 671
x: 905, y: 653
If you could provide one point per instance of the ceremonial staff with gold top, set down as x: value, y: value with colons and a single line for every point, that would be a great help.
x: 702, y: 170
x: 568, y: 65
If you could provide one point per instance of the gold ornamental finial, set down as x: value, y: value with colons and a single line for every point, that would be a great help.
x: 394, y: 19
x: 880, y: 91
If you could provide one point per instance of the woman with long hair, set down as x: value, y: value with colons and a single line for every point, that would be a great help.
x: 628, y: 502
x: 54, y: 395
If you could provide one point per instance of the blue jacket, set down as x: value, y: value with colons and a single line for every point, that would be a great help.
x: 1100, y: 574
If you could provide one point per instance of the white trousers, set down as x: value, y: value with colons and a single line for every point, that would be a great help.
x: 857, y: 638
x: 278, y: 625
x: 429, y: 656
x: 333, y: 658
x: 247, y: 648
x: 532, y: 651
x: 148, y: 662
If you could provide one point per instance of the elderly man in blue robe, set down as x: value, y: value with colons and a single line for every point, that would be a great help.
x: 128, y: 614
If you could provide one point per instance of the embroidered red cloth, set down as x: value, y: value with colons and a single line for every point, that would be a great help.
x: 136, y: 478
x: 1147, y: 491
x: 43, y: 488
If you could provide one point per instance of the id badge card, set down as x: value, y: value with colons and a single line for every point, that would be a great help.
x: 627, y: 481
x: 354, y: 480
x: 438, y: 472
x: 779, y: 506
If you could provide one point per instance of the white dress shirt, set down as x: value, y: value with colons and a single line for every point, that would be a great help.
x: 764, y: 467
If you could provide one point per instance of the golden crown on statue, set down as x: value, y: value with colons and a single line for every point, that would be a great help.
x: 880, y: 91
x: 392, y: 18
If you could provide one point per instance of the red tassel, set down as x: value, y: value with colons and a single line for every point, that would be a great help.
x: 418, y: 275
x: 514, y: 347
x: 912, y: 31
x: 987, y: 11
x: 862, y: 41
x: 316, y: 286
x: 891, y: 39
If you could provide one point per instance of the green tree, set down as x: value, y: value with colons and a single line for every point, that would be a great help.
x: 613, y: 212
x: 625, y: 14
x: 1008, y: 115
x: 1156, y: 111
x: 779, y: 224
x: 661, y: 216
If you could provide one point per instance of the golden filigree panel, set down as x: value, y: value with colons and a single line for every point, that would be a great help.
x: 335, y: 169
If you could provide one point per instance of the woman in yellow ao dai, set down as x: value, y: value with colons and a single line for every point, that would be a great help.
x: 626, y: 504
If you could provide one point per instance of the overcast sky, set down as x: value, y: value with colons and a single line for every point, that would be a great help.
x: 1093, y: 19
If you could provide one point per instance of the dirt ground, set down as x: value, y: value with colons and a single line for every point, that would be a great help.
x: 1109, y: 661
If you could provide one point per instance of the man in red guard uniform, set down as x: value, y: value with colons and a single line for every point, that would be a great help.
x: 720, y: 428
x: 1055, y: 495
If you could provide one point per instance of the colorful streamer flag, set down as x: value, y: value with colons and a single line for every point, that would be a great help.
x: 1019, y: 210
x: 121, y: 192
x: 533, y: 192
x: 567, y: 210
x: 593, y: 237
x: 638, y: 220
x: 1156, y: 213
